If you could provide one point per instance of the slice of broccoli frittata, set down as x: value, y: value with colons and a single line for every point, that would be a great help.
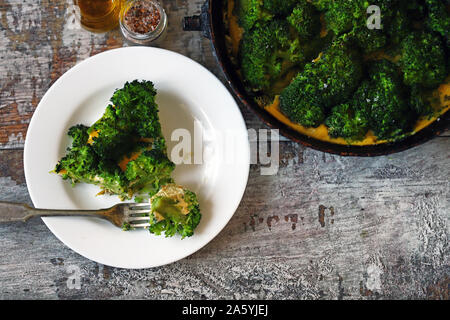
x: 124, y: 152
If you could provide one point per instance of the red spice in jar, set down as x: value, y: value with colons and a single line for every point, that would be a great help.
x: 142, y: 17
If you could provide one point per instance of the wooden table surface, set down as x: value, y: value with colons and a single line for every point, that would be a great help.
x: 324, y: 227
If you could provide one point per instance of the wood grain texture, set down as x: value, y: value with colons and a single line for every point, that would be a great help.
x: 324, y: 227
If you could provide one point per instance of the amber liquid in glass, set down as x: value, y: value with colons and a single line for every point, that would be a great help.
x: 98, y: 15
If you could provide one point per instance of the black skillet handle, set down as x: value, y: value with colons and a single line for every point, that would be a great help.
x: 199, y: 22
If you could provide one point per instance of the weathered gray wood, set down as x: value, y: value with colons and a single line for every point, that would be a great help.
x: 324, y: 227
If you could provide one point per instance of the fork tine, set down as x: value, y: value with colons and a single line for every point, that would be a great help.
x: 138, y: 205
x: 140, y: 225
x: 132, y: 219
x: 138, y: 211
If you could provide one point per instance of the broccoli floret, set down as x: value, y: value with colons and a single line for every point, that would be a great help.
x: 305, y: 19
x: 281, y: 34
x: 108, y: 139
x: 419, y: 101
x: 423, y: 60
x: 79, y: 134
x: 351, y: 17
x: 112, y: 180
x: 251, y: 11
x: 263, y: 51
x: 383, y: 99
x: 321, y: 4
x: 136, y: 109
x: 398, y: 25
x: 300, y: 103
x: 438, y: 17
x: 338, y: 72
x: 149, y: 170
x: 256, y: 51
x: 280, y: 7
x: 348, y: 121
x: 342, y: 15
x: 174, y: 209
x: 370, y: 40
x: 296, y: 53
x: 82, y: 164
x: 133, y: 115
x: 322, y: 84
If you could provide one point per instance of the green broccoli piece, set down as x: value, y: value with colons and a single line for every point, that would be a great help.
x: 108, y: 139
x: 280, y: 7
x: 321, y: 4
x: 338, y: 72
x: 256, y: 51
x: 281, y: 32
x: 348, y: 121
x: 305, y: 19
x: 79, y: 134
x: 133, y: 115
x: 136, y: 109
x: 322, y: 84
x: 419, y: 101
x: 263, y: 51
x: 301, y: 104
x: 343, y: 15
x: 370, y: 40
x: 80, y: 161
x: 296, y: 53
x: 111, y: 179
x: 149, y: 170
x: 250, y: 12
x: 174, y: 209
x: 423, y: 60
x: 398, y: 25
x: 384, y: 101
x: 438, y: 17
x: 82, y: 164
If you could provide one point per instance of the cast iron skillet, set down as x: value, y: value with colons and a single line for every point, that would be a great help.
x: 210, y: 23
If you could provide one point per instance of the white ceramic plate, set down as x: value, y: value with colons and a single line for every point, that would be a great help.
x: 187, y: 92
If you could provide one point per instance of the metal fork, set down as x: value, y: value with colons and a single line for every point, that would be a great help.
x: 121, y: 215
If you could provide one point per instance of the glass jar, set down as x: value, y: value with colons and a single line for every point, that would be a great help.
x: 98, y: 15
x: 143, y: 22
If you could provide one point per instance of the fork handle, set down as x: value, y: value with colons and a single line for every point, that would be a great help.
x: 11, y: 212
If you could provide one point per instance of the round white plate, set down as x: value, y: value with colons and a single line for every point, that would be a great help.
x: 187, y: 93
